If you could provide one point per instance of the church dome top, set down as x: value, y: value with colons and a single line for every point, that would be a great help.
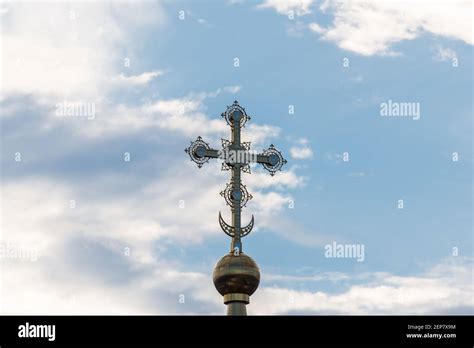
x: 236, y: 274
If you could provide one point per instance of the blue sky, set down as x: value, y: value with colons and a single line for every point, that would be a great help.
x: 157, y: 81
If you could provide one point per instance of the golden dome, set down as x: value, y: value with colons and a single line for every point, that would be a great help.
x: 236, y: 275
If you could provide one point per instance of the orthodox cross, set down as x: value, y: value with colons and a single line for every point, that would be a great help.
x: 236, y: 156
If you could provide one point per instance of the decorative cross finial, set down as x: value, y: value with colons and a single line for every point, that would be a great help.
x: 236, y: 156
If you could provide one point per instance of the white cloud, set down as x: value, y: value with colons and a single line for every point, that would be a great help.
x: 300, y: 234
x: 110, y: 220
x: 265, y: 205
x: 186, y: 116
x: 233, y: 89
x: 50, y: 287
x: 443, y: 54
x: 141, y: 79
x: 65, y: 50
x: 372, y: 28
x: 301, y: 152
x: 316, y: 28
x: 326, y: 276
x: 75, y: 53
x: 300, y: 7
x: 287, y: 178
x: 446, y: 287
x: 70, y: 276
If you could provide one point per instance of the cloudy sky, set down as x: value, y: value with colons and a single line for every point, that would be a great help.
x: 104, y: 213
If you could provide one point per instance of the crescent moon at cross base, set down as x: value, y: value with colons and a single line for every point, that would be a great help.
x: 229, y: 230
x: 247, y: 229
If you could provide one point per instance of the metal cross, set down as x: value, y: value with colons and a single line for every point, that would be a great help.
x: 236, y: 156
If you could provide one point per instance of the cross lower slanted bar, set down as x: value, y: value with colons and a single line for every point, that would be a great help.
x: 236, y: 156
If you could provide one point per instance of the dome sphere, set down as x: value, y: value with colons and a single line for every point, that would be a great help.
x: 236, y: 274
